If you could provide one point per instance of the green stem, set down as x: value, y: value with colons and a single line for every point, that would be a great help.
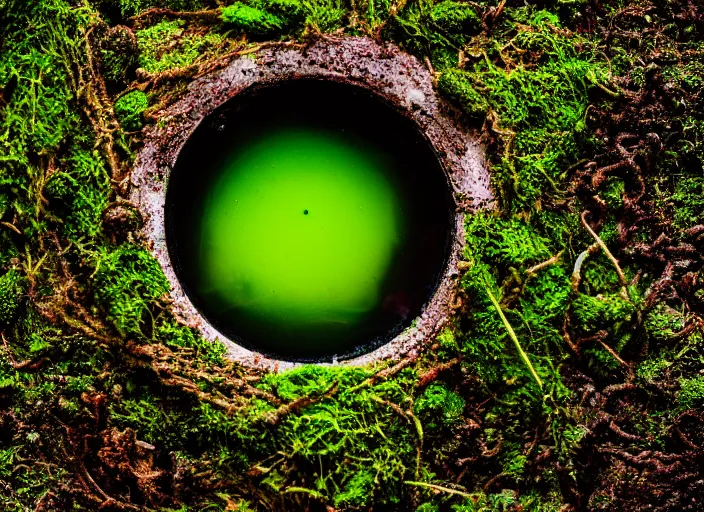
x: 513, y: 337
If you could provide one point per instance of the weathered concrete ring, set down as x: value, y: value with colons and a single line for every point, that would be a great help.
x: 386, y: 71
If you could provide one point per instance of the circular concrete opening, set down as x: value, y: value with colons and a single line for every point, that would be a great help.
x: 276, y: 262
x: 308, y: 219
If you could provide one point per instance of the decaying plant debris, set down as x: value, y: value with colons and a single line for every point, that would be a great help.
x: 591, y: 113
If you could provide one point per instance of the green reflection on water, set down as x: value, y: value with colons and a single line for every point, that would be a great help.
x: 262, y: 255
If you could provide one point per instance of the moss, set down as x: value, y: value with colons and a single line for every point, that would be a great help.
x: 539, y: 105
x: 594, y: 313
x: 652, y: 368
x: 127, y: 280
x: 320, y: 436
x: 438, y: 30
x: 168, y: 45
x: 456, y: 85
x: 129, y: 109
x: 78, y: 194
x: 505, y: 241
x: 438, y: 407
x: 177, y: 336
x: 599, y: 275
x: 452, y: 17
x: 691, y: 393
x: 613, y: 193
x: 11, y: 288
x: 127, y: 8
x: 245, y: 18
x: 663, y: 322
x: 688, y: 199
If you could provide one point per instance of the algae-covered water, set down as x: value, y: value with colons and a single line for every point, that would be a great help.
x: 303, y: 233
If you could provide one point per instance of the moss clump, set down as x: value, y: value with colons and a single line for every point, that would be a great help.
x: 439, y: 30
x: 451, y: 17
x: 454, y: 84
x: 245, y: 18
x: 129, y: 109
x: 168, y: 45
x: 78, y: 193
x: 11, y: 288
x: 691, y: 393
x: 601, y: 312
x: 127, y: 8
x: 537, y: 104
x: 127, y: 281
x: 688, y: 200
x: 663, y: 323
x: 178, y: 336
x: 439, y: 407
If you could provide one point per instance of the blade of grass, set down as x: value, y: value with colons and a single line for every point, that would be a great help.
x: 513, y: 337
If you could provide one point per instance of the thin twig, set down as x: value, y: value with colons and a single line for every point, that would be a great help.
x: 614, y: 354
x: 621, y: 275
x: 535, y: 268
x: 11, y: 226
x: 439, y: 488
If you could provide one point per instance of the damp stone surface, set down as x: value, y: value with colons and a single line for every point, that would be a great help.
x: 333, y: 284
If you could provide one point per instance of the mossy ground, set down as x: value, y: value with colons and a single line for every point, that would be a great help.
x: 592, y: 116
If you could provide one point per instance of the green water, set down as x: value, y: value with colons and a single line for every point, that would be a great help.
x: 308, y: 220
x: 299, y: 230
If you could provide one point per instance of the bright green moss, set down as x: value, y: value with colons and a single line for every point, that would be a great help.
x: 456, y: 85
x: 324, y: 16
x: 176, y: 336
x: 355, y: 490
x: 167, y: 45
x: 309, y: 380
x: 663, y: 322
x: 613, y: 193
x: 689, y: 201
x: 594, y: 313
x: 540, y: 106
x: 245, y: 18
x: 293, y: 11
x: 127, y: 280
x: 598, y: 275
x: 78, y: 193
x: 653, y: 368
x: 691, y: 393
x: 506, y: 241
x: 10, y: 295
x: 439, y: 407
x: 451, y: 17
x: 129, y: 109
x: 359, y: 449
x: 438, y: 30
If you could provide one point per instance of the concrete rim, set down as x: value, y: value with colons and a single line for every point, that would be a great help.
x: 386, y: 71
